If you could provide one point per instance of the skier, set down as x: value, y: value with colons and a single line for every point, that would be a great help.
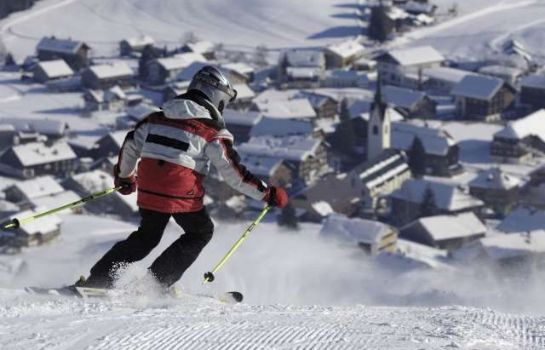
x: 175, y: 147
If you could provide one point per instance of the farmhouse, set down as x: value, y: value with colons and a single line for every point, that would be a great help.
x: 107, y: 75
x: 75, y: 53
x: 133, y: 45
x: 52, y: 70
x: 343, y: 54
x: 533, y: 91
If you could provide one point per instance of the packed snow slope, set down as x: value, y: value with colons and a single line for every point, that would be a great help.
x: 302, y: 292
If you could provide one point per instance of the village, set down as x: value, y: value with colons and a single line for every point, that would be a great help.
x: 401, y: 151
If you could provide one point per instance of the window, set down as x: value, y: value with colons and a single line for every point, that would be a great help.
x: 375, y: 130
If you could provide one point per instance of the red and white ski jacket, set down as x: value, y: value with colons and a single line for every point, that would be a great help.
x: 176, y: 147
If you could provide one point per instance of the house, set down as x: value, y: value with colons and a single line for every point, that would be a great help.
x: 301, y: 68
x: 295, y: 108
x: 241, y: 123
x: 379, y: 177
x: 385, y: 20
x: 53, y: 129
x: 331, y: 193
x: 245, y: 96
x: 24, y: 191
x: 324, y: 105
x: 162, y: 70
x: 419, y: 198
x: 419, y: 8
x: 273, y: 170
x: 520, y: 139
x: 343, y: 54
x: 498, y: 190
x: 107, y: 75
x: 202, y: 47
x: 511, y: 75
x: 133, y: 45
x: 38, y: 158
x: 307, y: 157
x: 394, y: 66
x: 412, y: 103
x: 372, y: 236
x: 51, y: 70
x: 97, y: 180
x: 112, y: 99
x: 533, y: 91
x: 267, y: 126
x: 447, y: 232
x: 33, y: 233
x: 74, y: 53
x: 480, y: 97
x: 110, y: 144
x: 342, y: 78
x: 443, y: 79
x: 430, y: 151
x: 239, y: 73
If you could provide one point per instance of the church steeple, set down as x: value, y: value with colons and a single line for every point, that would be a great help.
x: 378, y: 102
x: 378, y: 127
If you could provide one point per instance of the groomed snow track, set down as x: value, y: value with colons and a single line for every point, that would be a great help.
x: 31, y: 322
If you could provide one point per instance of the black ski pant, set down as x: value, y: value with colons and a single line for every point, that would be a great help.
x: 172, y: 263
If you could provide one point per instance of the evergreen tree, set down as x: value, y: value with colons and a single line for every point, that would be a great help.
x: 428, y: 207
x: 380, y: 25
x: 346, y: 137
x: 288, y: 218
x: 417, y: 158
x: 148, y: 53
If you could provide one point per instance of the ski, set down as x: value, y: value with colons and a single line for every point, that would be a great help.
x: 86, y: 292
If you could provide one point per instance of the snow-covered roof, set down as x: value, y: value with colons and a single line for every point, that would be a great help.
x: 388, y: 165
x: 54, y: 200
x: 45, y: 224
x: 478, y: 87
x: 244, y: 91
x: 445, y: 227
x: 282, y: 127
x: 139, y: 41
x: 261, y: 165
x: 239, y: 67
x: 65, y: 46
x: 41, y: 126
x: 56, y: 69
x: 533, y: 124
x: 35, y: 153
x: 296, y: 108
x: 93, y: 181
x: 141, y: 111
x: 201, y: 46
x: 38, y: 187
x: 523, y: 220
x: 237, y: 117
x: 418, y: 7
x: 446, y: 74
x: 112, y: 70
x: 354, y: 230
x: 303, y: 72
x: 346, y: 49
x: 188, y: 72
x: 435, y: 141
x: 536, y: 81
x: 416, y: 56
x: 402, y: 97
x: 117, y: 136
x: 295, y: 148
x: 421, y: 253
x: 513, y: 245
x: 501, y: 71
x: 304, y: 58
x: 446, y: 197
x: 180, y: 61
x: 495, y: 178
x: 108, y: 95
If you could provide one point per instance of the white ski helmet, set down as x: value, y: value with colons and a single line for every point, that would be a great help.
x: 214, y: 84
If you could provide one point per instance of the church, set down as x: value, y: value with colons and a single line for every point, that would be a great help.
x: 386, y: 168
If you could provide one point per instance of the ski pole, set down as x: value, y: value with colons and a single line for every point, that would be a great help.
x: 209, y: 276
x: 16, y: 223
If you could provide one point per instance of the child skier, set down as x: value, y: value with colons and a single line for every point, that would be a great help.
x: 175, y: 147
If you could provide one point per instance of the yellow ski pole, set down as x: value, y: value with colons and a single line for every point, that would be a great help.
x: 209, y: 276
x: 16, y: 223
